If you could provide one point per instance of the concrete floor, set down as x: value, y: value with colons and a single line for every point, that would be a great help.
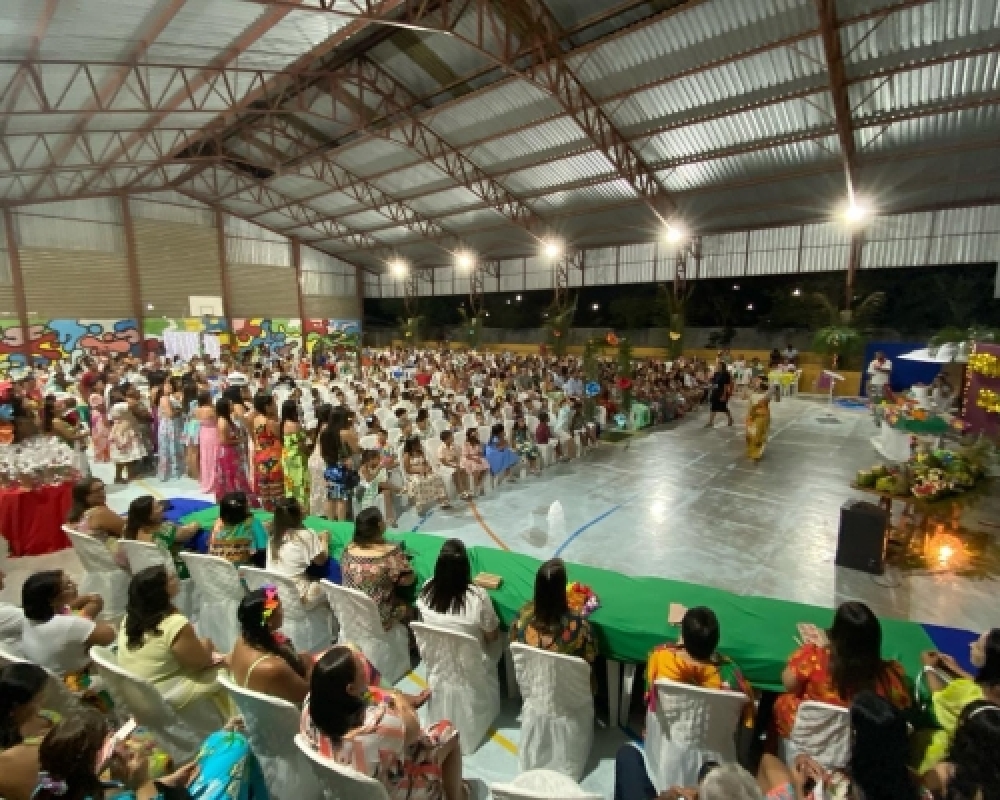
x: 685, y: 503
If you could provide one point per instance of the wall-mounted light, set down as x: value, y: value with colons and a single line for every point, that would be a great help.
x: 553, y: 249
x: 398, y: 268
x: 465, y: 261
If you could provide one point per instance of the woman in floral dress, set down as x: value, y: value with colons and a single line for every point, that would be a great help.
x: 268, y: 478
x: 171, y: 432
x: 376, y: 567
x: 294, y: 456
x: 524, y: 445
x: 230, y: 473
x: 100, y: 431
x: 473, y: 461
x: 423, y: 485
x: 127, y: 449
x: 317, y: 466
x: 356, y: 724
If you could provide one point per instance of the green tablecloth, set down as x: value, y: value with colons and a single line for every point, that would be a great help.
x: 757, y: 632
x: 933, y: 425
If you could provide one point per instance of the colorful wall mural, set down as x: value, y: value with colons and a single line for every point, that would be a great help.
x: 67, y: 340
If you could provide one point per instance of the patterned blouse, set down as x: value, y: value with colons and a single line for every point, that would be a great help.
x: 572, y: 637
x: 238, y: 543
x: 670, y: 662
x: 377, y: 577
x: 811, y: 665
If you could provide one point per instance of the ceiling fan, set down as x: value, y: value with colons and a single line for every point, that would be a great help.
x: 330, y: 7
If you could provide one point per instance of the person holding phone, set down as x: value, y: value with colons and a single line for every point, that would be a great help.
x: 299, y: 553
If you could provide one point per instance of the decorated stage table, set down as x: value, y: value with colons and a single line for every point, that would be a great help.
x: 31, y: 518
x: 759, y: 633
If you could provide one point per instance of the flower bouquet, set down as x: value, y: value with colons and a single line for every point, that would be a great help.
x: 582, y: 599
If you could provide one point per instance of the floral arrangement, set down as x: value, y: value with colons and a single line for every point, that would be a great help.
x: 581, y: 599
x: 929, y: 474
x: 985, y: 364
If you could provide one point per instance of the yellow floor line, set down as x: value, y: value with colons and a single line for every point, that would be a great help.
x: 499, y: 738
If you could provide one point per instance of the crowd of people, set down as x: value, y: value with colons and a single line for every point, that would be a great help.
x: 349, y: 717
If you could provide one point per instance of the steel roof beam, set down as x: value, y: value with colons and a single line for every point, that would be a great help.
x: 829, y: 31
x: 9, y: 99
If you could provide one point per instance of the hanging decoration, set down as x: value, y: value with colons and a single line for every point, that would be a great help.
x: 593, y: 388
x: 611, y: 339
x: 985, y: 364
x: 989, y: 400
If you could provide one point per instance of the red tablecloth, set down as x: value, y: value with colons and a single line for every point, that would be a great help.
x: 32, y: 520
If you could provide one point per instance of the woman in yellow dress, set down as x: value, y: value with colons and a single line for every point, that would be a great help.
x: 758, y: 419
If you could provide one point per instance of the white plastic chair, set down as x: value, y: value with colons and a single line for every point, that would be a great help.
x: 822, y: 731
x: 103, y: 576
x: 309, y: 629
x: 344, y: 782
x: 179, y: 731
x: 541, y: 784
x: 369, y: 442
x: 221, y: 591
x: 690, y: 726
x: 57, y: 695
x: 389, y: 651
x: 463, y: 681
x: 557, y: 716
x: 272, y: 725
x: 141, y: 555
x: 547, y: 451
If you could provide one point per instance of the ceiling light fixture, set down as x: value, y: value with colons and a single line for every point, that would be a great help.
x: 553, y: 249
x: 676, y: 234
x: 856, y: 211
x: 398, y: 267
x: 797, y: 292
x: 465, y: 261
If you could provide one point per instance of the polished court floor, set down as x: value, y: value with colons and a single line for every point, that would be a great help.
x: 684, y: 503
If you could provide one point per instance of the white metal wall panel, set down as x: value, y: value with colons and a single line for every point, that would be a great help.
x: 53, y: 233
x: 512, y: 275
x: 172, y: 212
x: 324, y: 284
x: 666, y: 263
x: 826, y: 247
x: 317, y: 261
x: 636, y: 263
x: 774, y: 251
x: 175, y: 261
x: 444, y: 281
x: 257, y: 252
x: 538, y: 273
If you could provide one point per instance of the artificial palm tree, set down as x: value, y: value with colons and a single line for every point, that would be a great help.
x: 558, y: 321
x: 843, y: 330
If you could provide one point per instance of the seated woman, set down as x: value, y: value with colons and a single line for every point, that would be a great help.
x: 264, y: 659
x: 695, y: 661
x: 876, y: 771
x: 22, y: 718
x: 145, y: 523
x: 473, y: 463
x: 376, y: 567
x: 60, y: 626
x: 971, y: 770
x: 450, y: 465
x: 547, y: 622
x: 423, y: 485
x: 952, y: 689
x: 90, y: 514
x: 451, y: 600
x: 500, y: 457
x: 157, y: 643
x: 524, y: 445
x: 299, y: 553
x: 238, y: 536
x: 67, y: 765
x: 835, y: 674
x: 377, y: 732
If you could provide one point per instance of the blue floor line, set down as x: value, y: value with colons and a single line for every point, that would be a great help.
x: 592, y: 523
x: 421, y: 521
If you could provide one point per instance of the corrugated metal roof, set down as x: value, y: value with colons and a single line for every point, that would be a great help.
x: 730, y: 86
x: 376, y: 155
x: 532, y: 144
x: 791, y: 116
x: 364, y: 220
x: 298, y: 186
x: 335, y: 203
x: 824, y: 151
x: 907, y: 134
x: 585, y: 166
x: 413, y: 180
x: 512, y: 103
x: 423, y: 61
x: 478, y: 218
x: 443, y: 202
x: 584, y: 196
x: 706, y: 33
x: 953, y: 80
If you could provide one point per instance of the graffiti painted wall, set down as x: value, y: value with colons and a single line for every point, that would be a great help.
x: 66, y: 340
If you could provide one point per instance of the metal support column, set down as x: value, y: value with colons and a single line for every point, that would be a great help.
x: 17, y: 280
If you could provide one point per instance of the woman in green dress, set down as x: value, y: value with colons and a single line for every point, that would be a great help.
x: 145, y: 523
x: 294, y: 454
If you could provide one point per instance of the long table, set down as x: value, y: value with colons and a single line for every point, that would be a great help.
x: 759, y: 633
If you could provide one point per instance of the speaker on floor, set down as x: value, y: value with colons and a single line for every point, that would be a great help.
x: 863, y: 536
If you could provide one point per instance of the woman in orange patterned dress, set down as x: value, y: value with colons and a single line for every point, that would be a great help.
x: 268, y: 476
x: 694, y: 661
x: 835, y: 674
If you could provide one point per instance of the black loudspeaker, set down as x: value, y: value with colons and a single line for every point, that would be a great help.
x: 863, y: 536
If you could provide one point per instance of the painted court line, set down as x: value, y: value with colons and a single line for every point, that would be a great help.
x: 482, y: 523
x: 499, y: 738
x: 421, y: 521
x: 591, y: 524
x: 150, y: 489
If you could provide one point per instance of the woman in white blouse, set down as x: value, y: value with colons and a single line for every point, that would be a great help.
x: 451, y: 600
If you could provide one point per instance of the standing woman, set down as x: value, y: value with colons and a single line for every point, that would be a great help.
x: 171, y: 431
x: 208, y: 441
x: 265, y: 427
x: 191, y: 431
x: 230, y: 474
x: 722, y: 389
x: 317, y: 466
x: 100, y: 429
x: 293, y: 454
x: 338, y: 476
x: 758, y: 419
x: 241, y: 430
